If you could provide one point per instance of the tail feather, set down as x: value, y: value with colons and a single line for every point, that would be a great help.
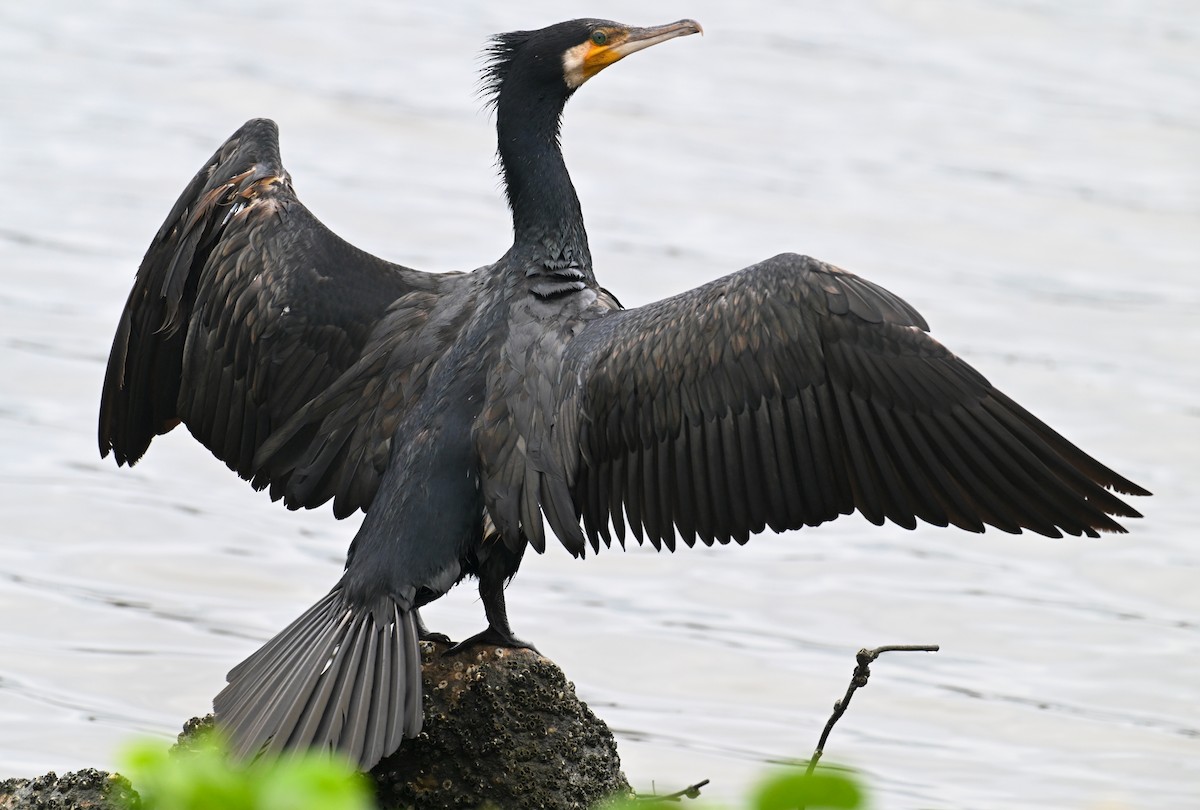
x: 306, y: 625
x: 255, y: 702
x: 342, y: 677
x: 315, y: 720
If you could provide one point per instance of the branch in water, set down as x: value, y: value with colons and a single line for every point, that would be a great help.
x: 689, y: 792
x: 861, y: 673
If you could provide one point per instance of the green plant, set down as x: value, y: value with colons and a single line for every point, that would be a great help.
x: 205, y: 778
x: 788, y: 789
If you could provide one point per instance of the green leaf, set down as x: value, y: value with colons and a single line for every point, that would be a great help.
x: 316, y: 782
x: 822, y: 789
x: 205, y: 778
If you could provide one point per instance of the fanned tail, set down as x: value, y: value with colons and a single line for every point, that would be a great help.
x: 341, y: 677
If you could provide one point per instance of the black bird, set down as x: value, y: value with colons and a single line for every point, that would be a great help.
x: 458, y: 409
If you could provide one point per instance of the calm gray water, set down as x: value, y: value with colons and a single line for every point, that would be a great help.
x: 1024, y: 172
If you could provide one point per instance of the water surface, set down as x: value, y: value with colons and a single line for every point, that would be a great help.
x: 1025, y: 173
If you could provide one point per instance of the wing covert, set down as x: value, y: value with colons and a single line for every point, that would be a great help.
x: 790, y: 393
x: 244, y: 308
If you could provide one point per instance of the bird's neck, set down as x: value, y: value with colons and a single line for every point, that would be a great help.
x: 547, y: 220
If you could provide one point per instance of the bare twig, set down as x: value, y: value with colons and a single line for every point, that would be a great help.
x: 861, y: 673
x: 689, y: 792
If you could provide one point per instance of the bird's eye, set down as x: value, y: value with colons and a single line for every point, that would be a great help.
x: 599, y: 38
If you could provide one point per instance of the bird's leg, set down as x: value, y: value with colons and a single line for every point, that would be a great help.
x: 498, y: 632
x: 425, y: 634
x: 495, y: 569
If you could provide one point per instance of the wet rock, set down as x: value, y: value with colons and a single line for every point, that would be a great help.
x: 88, y: 789
x: 502, y: 728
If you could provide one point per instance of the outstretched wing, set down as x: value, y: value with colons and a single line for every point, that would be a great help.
x: 245, y: 308
x: 790, y: 393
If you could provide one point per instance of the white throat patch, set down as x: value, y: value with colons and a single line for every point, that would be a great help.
x: 573, y: 64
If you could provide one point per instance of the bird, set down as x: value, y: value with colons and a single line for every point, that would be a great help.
x: 464, y: 413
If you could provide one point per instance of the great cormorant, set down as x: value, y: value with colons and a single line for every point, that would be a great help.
x: 458, y: 409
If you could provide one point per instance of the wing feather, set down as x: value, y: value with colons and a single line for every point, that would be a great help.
x: 684, y: 495
x: 790, y: 393
x: 244, y: 309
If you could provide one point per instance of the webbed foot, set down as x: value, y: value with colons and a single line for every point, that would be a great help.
x: 491, y: 637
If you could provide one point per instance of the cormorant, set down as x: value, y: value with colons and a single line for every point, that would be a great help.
x: 458, y: 409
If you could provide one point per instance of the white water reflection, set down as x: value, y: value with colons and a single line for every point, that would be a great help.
x: 1023, y: 172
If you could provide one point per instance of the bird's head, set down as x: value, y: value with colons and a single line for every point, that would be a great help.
x: 553, y: 62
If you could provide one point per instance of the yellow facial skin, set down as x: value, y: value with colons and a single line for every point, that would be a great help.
x: 612, y: 43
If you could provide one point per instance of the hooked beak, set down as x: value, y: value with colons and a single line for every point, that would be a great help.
x: 623, y: 41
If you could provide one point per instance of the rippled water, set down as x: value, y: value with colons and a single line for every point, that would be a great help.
x: 1024, y: 172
